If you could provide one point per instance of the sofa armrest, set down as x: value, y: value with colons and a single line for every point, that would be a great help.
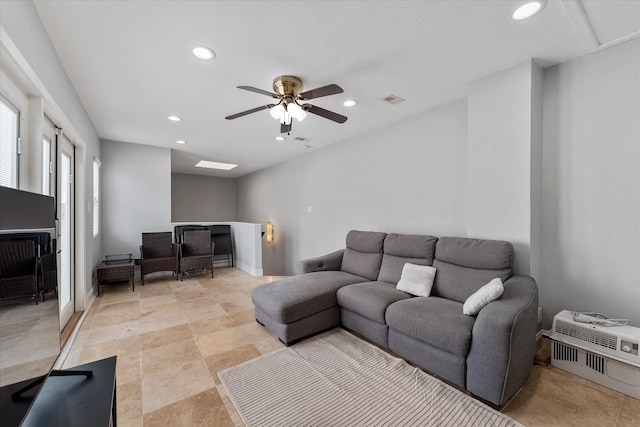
x: 328, y: 262
x: 503, y: 344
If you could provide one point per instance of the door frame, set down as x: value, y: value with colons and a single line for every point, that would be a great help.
x: 65, y: 148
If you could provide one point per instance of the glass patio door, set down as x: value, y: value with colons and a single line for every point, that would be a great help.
x: 66, y: 254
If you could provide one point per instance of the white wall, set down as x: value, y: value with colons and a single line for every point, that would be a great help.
x: 25, y: 38
x: 499, y: 158
x: 200, y: 198
x: 247, y: 245
x: 591, y: 204
x: 136, y: 184
x: 408, y: 178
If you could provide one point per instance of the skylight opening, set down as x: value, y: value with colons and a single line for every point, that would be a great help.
x: 215, y: 165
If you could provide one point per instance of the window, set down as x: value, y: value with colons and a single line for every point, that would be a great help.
x: 9, y: 150
x: 96, y: 197
x: 46, y: 166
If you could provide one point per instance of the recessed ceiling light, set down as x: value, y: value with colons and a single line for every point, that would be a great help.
x: 349, y: 103
x: 527, y: 10
x: 174, y: 118
x: 279, y: 138
x: 203, y: 52
x: 180, y: 141
x: 215, y: 165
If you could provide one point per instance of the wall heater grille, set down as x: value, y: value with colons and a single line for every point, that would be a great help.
x: 595, y: 362
x: 585, y: 334
x: 565, y: 352
x: 607, y: 356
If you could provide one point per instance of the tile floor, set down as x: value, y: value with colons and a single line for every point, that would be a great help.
x: 172, y: 337
x: 29, y: 339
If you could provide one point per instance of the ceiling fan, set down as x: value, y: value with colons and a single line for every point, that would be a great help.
x: 288, y: 93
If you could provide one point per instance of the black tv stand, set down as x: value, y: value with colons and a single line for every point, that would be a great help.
x: 89, y: 389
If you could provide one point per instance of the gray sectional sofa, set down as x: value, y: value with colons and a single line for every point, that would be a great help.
x: 489, y: 354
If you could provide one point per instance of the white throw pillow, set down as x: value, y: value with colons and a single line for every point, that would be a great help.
x: 483, y: 296
x: 417, y: 279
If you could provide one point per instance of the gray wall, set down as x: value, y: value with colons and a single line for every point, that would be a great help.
x: 409, y: 178
x: 136, y: 184
x: 202, y: 198
x: 591, y: 202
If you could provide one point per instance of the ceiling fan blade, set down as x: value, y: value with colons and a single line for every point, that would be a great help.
x: 253, y: 110
x: 285, y: 128
x: 321, y: 91
x: 260, y: 91
x: 338, y: 118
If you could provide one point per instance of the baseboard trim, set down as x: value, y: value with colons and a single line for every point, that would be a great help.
x: 255, y: 272
x: 64, y: 353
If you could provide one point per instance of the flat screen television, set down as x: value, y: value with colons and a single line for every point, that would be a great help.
x: 29, y: 322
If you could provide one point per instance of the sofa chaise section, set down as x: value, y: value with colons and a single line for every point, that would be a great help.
x: 304, y: 305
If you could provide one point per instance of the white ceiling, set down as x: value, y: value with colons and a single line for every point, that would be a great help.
x: 131, y: 65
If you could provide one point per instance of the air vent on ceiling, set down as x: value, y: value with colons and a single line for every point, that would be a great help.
x: 392, y: 99
x: 301, y: 139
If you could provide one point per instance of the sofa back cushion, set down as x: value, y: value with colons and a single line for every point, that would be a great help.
x: 400, y: 249
x: 465, y: 265
x: 363, y: 253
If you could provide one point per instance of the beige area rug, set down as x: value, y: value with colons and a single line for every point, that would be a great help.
x: 337, y: 379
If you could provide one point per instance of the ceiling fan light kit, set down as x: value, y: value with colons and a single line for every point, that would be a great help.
x: 288, y: 92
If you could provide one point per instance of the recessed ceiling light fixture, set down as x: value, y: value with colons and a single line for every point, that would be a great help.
x: 203, y: 52
x: 180, y: 141
x: 174, y: 118
x: 215, y: 165
x: 279, y: 138
x: 349, y: 103
x: 527, y: 10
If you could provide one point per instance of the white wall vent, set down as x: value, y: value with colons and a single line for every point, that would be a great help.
x: 392, y: 99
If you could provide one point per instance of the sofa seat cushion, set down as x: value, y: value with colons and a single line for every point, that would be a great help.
x: 435, y: 321
x: 370, y: 299
x: 297, y: 297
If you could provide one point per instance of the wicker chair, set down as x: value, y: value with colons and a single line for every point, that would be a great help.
x: 179, y: 230
x: 196, y: 252
x: 158, y: 253
x: 18, y: 270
